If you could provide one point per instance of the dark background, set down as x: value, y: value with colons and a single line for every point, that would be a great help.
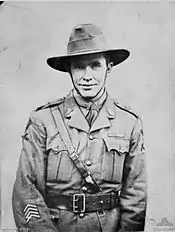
x: 31, y: 32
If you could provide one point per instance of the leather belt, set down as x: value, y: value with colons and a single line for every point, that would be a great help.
x: 80, y: 202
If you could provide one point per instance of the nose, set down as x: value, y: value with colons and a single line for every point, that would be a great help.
x: 87, y: 74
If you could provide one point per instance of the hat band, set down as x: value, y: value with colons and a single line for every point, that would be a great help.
x: 88, y: 44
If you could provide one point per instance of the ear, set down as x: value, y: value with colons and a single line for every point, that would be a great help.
x: 109, y: 67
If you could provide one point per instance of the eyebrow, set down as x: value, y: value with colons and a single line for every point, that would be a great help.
x: 78, y: 63
x: 81, y: 63
x: 96, y: 62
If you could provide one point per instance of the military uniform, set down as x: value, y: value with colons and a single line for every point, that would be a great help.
x: 113, y: 151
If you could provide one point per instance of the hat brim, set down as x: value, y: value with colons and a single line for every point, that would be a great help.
x: 61, y: 63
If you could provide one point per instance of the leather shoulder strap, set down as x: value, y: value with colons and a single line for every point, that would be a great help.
x: 65, y: 136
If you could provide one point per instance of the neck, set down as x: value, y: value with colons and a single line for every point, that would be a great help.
x: 85, y: 102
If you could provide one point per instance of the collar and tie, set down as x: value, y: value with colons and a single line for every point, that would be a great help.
x: 92, y: 114
x: 92, y: 107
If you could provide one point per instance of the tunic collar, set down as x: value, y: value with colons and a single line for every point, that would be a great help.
x: 76, y: 118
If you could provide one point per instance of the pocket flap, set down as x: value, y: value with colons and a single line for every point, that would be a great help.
x: 120, y: 145
x: 55, y: 144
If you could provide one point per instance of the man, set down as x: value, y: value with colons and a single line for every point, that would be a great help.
x: 82, y: 165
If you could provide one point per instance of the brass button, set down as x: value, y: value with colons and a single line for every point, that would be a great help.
x: 110, y: 111
x: 88, y: 163
x: 84, y: 189
x: 81, y: 215
x: 56, y: 150
x: 91, y: 137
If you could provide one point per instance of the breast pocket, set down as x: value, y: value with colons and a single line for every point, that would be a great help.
x: 59, y: 165
x: 113, y: 159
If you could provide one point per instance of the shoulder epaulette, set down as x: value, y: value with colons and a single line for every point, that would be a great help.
x: 50, y: 104
x: 125, y: 108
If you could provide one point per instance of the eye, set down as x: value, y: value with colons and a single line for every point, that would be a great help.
x: 95, y: 65
x: 78, y: 66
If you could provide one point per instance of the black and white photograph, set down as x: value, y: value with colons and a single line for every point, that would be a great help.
x: 87, y: 129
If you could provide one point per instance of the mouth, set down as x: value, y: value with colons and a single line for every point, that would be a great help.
x: 87, y: 85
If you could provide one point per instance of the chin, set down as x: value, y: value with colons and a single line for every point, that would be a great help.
x: 87, y: 94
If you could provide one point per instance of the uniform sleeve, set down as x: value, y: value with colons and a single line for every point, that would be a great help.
x: 28, y: 200
x: 133, y: 198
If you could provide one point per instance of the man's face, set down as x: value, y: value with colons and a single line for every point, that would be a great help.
x: 88, y: 73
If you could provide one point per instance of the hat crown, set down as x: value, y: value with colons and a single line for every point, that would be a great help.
x: 84, y: 38
x: 84, y: 31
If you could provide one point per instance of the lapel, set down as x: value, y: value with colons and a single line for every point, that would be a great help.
x: 78, y: 120
x: 74, y: 115
x: 106, y: 113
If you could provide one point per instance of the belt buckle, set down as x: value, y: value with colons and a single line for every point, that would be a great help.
x: 77, y: 197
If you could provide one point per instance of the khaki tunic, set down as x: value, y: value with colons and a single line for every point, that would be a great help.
x: 112, y: 149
